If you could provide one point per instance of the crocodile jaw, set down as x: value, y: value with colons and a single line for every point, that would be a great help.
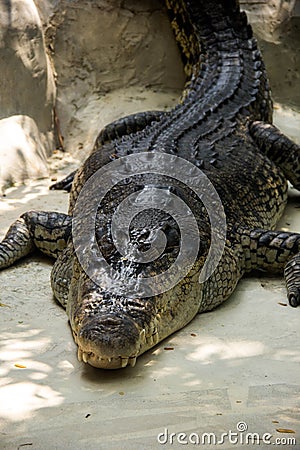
x: 113, y: 358
x: 112, y: 331
x: 101, y: 361
x: 120, y: 346
x: 104, y: 362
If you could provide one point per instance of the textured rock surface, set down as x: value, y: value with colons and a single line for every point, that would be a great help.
x: 277, y: 26
x: 268, y: 16
x: 22, y: 150
x: 26, y: 88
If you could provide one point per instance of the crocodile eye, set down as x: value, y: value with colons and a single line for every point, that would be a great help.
x: 135, y: 304
x: 173, y: 237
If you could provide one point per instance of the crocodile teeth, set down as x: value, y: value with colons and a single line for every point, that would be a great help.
x: 143, y: 334
x: 79, y: 354
x: 156, y: 321
x: 75, y: 337
x: 85, y: 357
x: 124, y: 362
x: 132, y: 361
x: 155, y: 338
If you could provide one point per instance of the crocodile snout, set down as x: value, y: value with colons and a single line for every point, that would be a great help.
x: 108, y: 341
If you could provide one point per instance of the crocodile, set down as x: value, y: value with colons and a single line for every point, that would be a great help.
x: 222, y: 126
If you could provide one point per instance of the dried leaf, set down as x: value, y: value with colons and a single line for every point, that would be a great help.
x: 20, y: 366
x: 4, y: 305
x: 284, y: 430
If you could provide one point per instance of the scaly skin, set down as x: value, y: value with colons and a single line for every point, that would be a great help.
x: 223, y: 126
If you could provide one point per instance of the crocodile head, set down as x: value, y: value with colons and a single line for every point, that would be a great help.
x: 167, y: 241
x: 112, y: 328
x: 112, y: 331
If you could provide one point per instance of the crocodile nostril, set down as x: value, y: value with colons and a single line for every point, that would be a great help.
x: 108, y: 336
x: 135, y: 304
x: 110, y: 321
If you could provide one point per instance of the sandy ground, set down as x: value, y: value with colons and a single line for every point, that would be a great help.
x: 239, y: 363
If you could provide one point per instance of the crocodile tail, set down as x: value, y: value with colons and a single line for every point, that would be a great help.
x: 184, y: 34
x: 209, y: 32
x: 218, y: 12
x: 191, y: 20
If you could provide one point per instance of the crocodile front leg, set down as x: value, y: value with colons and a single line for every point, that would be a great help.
x: 61, y: 275
x: 279, y: 148
x: 273, y: 251
x: 45, y: 231
x: 65, y: 184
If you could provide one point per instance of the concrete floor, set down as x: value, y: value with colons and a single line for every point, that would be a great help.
x: 239, y: 363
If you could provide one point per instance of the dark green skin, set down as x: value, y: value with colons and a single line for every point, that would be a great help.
x: 223, y: 126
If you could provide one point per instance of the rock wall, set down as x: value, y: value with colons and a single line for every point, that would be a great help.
x: 276, y: 23
x: 27, y: 93
x: 269, y: 17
